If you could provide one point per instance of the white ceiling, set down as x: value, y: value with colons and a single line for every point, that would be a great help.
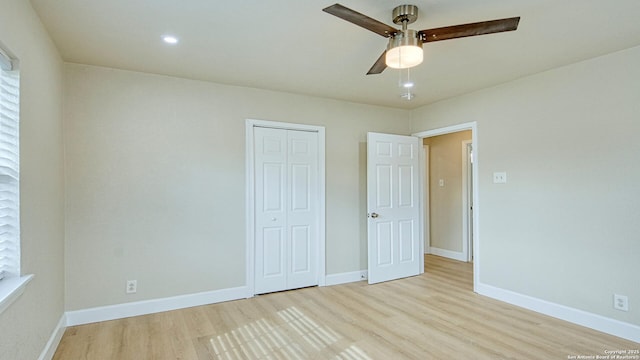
x: 293, y: 46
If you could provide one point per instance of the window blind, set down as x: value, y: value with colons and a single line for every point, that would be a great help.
x: 9, y: 169
x: 5, y: 61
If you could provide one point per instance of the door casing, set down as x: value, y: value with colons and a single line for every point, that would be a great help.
x: 424, y: 185
x: 467, y: 201
x: 250, y: 196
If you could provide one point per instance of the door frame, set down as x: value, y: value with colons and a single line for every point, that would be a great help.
x: 473, y: 126
x: 424, y: 185
x: 467, y: 227
x: 250, y: 197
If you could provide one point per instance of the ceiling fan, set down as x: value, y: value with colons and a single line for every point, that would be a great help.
x: 405, y: 45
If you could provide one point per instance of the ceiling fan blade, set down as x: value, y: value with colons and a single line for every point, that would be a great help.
x: 379, y: 65
x: 361, y: 20
x: 472, y: 29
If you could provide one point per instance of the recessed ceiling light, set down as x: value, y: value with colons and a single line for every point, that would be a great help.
x: 170, y: 39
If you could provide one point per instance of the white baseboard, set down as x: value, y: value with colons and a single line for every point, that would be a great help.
x: 50, y: 349
x: 455, y: 255
x: 580, y: 317
x: 347, y: 277
x: 125, y: 310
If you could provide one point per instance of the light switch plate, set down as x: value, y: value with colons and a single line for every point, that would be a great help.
x: 499, y: 177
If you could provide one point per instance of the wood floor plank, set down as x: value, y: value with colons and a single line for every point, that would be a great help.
x: 433, y: 316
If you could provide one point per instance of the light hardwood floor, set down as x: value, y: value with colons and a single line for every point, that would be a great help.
x: 432, y: 316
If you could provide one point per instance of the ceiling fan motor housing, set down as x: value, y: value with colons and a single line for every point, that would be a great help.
x: 405, y: 14
x: 404, y: 50
x: 405, y: 38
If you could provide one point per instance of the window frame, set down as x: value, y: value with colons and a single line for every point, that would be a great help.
x: 12, y: 284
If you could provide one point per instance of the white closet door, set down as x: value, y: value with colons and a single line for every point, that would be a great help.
x: 271, y: 214
x: 286, y: 171
x: 302, y: 216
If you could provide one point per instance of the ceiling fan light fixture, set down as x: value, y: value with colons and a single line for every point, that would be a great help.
x: 404, y: 50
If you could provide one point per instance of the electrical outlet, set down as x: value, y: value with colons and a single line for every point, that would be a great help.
x: 499, y: 177
x: 621, y: 302
x: 132, y: 286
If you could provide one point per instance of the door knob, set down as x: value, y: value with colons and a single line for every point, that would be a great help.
x: 374, y: 215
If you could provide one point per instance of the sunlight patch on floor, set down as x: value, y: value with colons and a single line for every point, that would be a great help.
x: 298, y: 338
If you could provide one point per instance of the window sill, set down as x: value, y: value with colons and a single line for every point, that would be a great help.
x: 11, y: 289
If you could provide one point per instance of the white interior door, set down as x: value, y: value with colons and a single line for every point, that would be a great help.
x: 393, y: 200
x: 286, y: 209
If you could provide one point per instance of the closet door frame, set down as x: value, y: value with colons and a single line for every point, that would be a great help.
x: 250, y: 197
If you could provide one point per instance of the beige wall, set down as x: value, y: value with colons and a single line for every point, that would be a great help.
x: 156, y: 181
x: 445, y: 202
x: 25, y: 327
x: 563, y: 228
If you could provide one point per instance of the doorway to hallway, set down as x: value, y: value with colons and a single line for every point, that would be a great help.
x: 451, y: 208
